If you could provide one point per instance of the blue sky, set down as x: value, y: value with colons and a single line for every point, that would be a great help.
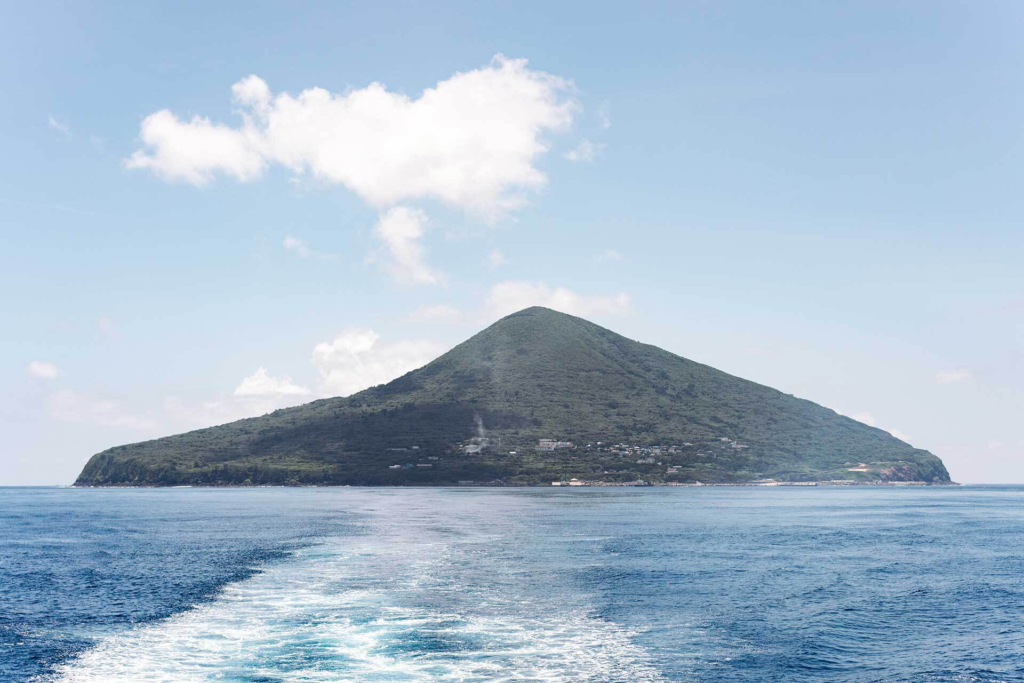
x: 821, y: 197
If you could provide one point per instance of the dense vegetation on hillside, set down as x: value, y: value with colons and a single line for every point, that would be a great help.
x: 536, y: 374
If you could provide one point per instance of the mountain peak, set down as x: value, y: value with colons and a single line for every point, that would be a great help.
x: 536, y: 314
x: 536, y: 310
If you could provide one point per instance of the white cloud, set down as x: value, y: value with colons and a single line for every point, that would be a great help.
x: 508, y: 297
x: 59, y: 126
x: 351, y: 362
x: 298, y: 246
x: 438, y: 312
x: 302, y: 249
x: 950, y: 376
x: 355, y: 360
x: 194, y: 151
x: 260, y: 383
x: 585, y: 151
x: 42, y: 369
x: 401, y: 228
x: 258, y: 394
x: 470, y: 141
x: 73, y: 407
x: 995, y: 445
x: 608, y: 255
x: 604, y: 116
x: 495, y: 259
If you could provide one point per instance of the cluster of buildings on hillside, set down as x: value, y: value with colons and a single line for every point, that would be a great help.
x: 641, y: 454
x: 645, y: 452
x: 648, y: 451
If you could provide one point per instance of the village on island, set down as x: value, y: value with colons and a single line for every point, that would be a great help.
x: 653, y: 457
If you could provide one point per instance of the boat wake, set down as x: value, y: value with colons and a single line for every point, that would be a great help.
x: 391, y: 607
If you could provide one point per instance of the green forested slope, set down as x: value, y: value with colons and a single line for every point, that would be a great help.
x: 536, y: 374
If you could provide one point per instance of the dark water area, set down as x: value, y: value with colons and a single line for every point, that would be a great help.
x: 76, y: 565
x: 633, y: 584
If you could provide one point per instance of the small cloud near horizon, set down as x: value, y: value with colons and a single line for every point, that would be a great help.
x: 951, y: 376
x: 586, y: 151
x: 42, y: 369
x: 495, y: 259
x: 356, y: 359
x: 260, y: 383
x: 303, y: 250
x: 604, y: 117
x: 59, y: 126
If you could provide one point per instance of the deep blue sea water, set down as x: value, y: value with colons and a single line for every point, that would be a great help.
x: 609, y: 585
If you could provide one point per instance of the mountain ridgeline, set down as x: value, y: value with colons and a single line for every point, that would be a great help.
x: 537, y: 397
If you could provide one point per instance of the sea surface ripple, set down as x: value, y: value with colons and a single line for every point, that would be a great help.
x: 591, y: 585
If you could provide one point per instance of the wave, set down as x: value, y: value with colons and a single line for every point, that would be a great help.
x: 348, y: 611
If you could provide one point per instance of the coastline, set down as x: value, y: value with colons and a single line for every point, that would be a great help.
x: 562, y: 484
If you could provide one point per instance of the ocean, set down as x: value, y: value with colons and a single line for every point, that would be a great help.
x: 470, y: 584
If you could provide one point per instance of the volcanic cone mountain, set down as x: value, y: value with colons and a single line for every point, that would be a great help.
x: 537, y: 397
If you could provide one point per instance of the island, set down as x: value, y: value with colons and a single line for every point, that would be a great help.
x: 537, y: 398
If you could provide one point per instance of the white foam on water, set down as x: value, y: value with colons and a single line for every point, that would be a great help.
x: 343, y: 612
